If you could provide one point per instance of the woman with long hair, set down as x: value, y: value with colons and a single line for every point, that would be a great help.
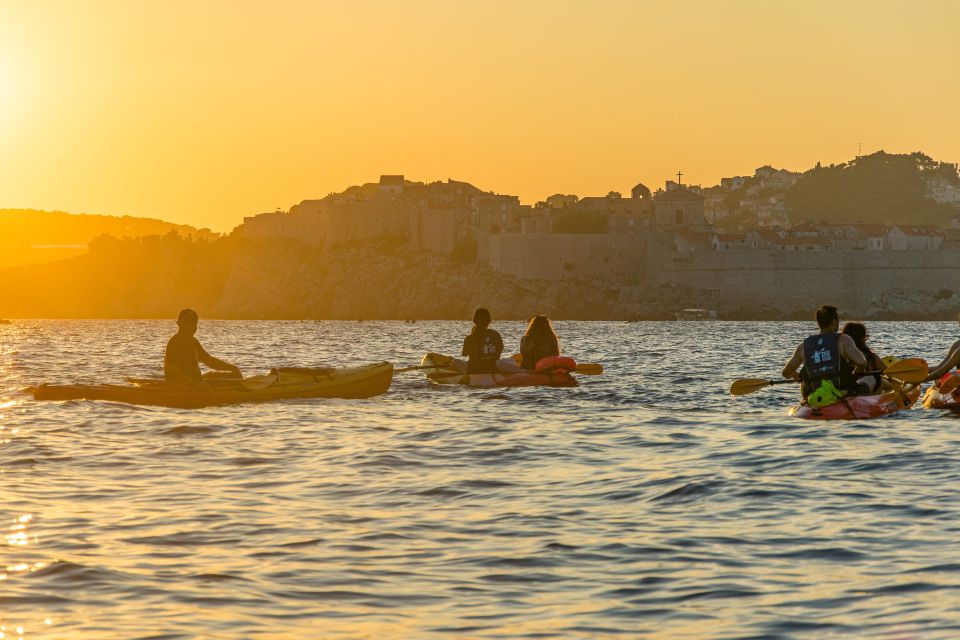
x: 540, y: 341
x: 859, y: 333
x: 483, y: 346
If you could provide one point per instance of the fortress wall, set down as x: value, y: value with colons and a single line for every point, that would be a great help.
x: 555, y: 255
x: 855, y: 280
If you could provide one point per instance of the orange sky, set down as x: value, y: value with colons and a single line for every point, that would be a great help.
x: 203, y: 112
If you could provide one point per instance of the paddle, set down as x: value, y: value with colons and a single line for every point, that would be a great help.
x: 418, y: 368
x: 911, y: 370
x: 586, y: 368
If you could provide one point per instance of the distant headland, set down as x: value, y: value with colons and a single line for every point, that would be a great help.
x: 879, y: 236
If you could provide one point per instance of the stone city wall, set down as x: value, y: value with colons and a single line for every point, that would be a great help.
x: 550, y: 256
x: 864, y: 283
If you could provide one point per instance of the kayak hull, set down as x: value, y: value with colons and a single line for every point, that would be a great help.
x: 860, y: 407
x: 444, y: 373
x: 352, y: 383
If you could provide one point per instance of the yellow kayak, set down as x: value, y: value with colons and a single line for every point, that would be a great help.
x: 279, y: 384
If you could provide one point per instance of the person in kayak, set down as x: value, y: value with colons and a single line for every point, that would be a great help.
x: 826, y: 360
x: 859, y: 333
x: 540, y: 341
x: 951, y: 361
x: 483, y: 346
x: 184, y: 353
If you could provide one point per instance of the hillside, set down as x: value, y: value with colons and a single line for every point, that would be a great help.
x: 880, y: 188
x: 233, y: 277
x: 29, y: 236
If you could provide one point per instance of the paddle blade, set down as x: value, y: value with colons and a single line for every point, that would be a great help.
x: 912, y: 370
x: 589, y: 368
x: 748, y: 385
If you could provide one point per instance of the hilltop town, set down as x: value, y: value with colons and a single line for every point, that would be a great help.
x: 883, y: 230
x: 879, y: 236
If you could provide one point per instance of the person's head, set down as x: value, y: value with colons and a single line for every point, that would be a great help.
x: 481, y: 318
x: 858, y: 332
x: 827, y: 318
x: 187, y: 321
x: 540, y: 328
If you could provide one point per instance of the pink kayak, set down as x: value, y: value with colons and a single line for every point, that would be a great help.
x: 860, y: 407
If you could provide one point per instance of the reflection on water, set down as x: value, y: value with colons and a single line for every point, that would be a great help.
x: 645, y: 501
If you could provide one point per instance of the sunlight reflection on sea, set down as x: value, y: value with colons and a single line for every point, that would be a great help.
x: 645, y: 501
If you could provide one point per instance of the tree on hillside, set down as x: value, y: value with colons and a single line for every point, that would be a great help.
x: 879, y: 188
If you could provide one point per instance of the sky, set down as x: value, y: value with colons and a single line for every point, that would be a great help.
x: 204, y: 112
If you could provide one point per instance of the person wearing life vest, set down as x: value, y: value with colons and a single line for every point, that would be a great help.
x: 483, y: 346
x: 826, y: 360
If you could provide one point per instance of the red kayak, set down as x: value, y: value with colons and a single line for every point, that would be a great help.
x: 554, y: 373
x: 860, y: 407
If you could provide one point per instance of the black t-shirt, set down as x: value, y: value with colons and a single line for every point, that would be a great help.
x: 184, y: 351
x: 483, y: 353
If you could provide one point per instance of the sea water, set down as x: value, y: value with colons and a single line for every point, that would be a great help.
x: 645, y: 502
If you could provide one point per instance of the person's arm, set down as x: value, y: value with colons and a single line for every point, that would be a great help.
x: 465, y: 352
x: 849, y: 350
x: 790, y: 370
x: 499, y: 345
x: 946, y: 364
x: 216, y: 363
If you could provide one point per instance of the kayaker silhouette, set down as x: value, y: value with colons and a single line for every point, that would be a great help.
x: 540, y: 341
x: 483, y: 346
x: 874, y: 383
x: 184, y: 353
x: 826, y: 360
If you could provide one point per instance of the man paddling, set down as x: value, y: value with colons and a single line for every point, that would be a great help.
x: 825, y: 361
x: 184, y: 353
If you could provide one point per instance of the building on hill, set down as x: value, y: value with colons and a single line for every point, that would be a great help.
x: 943, y: 190
x: 495, y: 213
x: 734, y: 183
x: 641, y: 192
x: 679, y: 207
x: 438, y: 230
x: 768, y: 177
x: 309, y: 226
x: 687, y: 240
x: 903, y: 237
x: 391, y: 185
x: 561, y: 201
x: 728, y: 241
x: 804, y: 243
x: 673, y: 186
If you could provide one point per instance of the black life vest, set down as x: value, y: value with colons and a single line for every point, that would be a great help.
x: 822, y: 361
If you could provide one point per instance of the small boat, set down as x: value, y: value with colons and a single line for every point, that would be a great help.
x: 696, y: 315
x: 440, y: 369
x: 860, y: 407
x: 280, y: 384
